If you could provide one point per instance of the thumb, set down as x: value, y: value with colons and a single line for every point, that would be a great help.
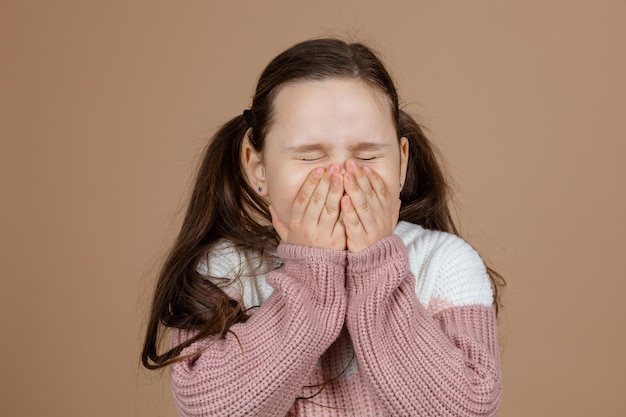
x: 396, y: 213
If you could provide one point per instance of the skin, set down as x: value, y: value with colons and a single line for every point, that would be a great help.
x: 332, y: 165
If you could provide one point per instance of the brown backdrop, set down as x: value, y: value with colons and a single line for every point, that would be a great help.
x: 105, y: 106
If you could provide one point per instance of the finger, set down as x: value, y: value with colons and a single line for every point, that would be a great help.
x: 279, y: 226
x: 304, y: 195
x: 378, y: 186
x: 350, y: 217
x: 330, y: 213
x: 359, y: 200
x: 355, y: 232
x: 362, y: 180
x: 318, y: 198
x: 369, y: 201
x: 389, y: 205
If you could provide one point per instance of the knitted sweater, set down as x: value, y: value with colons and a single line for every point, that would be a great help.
x: 404, y: 328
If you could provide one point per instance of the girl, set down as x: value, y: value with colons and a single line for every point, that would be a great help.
x: 301, y: 284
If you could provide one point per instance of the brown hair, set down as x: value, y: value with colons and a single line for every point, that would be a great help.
x: 223, y: 206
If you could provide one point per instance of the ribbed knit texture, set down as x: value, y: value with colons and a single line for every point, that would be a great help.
x: 405, y: 328
x: 259, y: 368
x: 416, y: 364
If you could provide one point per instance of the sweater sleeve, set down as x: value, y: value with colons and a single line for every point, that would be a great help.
x: 415, y: 363
x: 261, y: 365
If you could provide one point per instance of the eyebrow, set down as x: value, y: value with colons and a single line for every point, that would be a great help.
x: 360, y: 147
x: 306, y: 148
x: 370, y: 146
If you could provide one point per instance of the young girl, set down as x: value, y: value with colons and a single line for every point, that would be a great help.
x: 318, y: 271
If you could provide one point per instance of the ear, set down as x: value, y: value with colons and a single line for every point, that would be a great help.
x: 404, y: 158
x: 254, y: 167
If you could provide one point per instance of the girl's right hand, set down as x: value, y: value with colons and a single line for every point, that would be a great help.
x: 315, y: 213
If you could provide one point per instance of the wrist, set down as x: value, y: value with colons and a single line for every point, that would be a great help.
x: 298, y: 254
x: 366, y: 268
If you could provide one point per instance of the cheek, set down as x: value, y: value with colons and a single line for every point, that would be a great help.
x: 390, y: 175
x: 283, y: 187
x: 393, y: 186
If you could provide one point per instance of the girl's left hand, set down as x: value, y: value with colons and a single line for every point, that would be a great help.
x: 370, y: 213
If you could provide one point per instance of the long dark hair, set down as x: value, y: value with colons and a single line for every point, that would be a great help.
x: 223, y: 206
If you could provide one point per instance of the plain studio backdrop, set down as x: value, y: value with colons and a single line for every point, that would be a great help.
x: 106, y: 105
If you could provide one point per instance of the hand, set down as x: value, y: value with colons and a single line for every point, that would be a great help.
x: 315, y: 213
x: 369, y: 212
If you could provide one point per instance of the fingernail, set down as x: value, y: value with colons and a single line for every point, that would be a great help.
x: 318, y: 172
x: 332, y: 169
x: 367, y: 169
x: 336, y: 179
x: 351, y: 163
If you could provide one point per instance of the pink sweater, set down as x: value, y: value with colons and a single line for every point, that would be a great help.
x: 354, y: 322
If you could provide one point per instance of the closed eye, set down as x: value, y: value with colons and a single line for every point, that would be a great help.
x: 369, y: 158
x: 310, y: 158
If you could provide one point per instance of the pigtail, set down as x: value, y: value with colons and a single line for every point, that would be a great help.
x: 426, y: 193
x: 222, y: 204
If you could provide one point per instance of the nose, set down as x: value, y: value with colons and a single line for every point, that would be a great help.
x: 335, y: 168
x: 341, y: 161
x: 340, y: 157
x: 339, y: 166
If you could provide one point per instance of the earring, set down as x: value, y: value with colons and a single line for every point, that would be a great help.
x: 400, y: 185
x: 259, y: 189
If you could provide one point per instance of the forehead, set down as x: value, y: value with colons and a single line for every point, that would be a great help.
x: 330, y: 109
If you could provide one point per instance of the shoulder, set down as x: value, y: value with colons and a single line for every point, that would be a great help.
x: 241, y: 275
x: 224, y: 260
x: 448, y: 270
x: 435, y: 243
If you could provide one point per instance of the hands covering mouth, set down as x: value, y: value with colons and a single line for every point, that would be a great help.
x: 340, y: 211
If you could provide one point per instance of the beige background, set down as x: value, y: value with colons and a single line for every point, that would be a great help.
x: 106, y: 105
